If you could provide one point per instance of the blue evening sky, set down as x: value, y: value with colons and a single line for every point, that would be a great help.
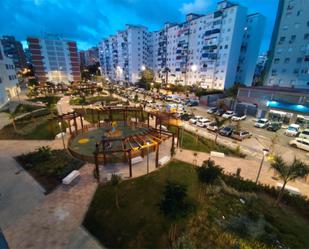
x: 88, y: 21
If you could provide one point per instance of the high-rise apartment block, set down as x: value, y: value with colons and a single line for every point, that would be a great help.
x: 89, y: 57
x: 54, y: 59
x: 8, y: 79
x: 288, y: 64
x: 211, y: 50
x: 14, y: 50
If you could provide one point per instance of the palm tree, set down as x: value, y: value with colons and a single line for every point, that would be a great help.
x: 166, y: 70
x: 115, y: 180
x: 12, y: 116
x: 219, y: 124
x: 287, y: 173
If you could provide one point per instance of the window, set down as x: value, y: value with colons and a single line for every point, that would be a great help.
x: 277, y: 60
x: 296, y: 71
x: 286, y: 60
x: 306, y: 36
x: 299, y: 59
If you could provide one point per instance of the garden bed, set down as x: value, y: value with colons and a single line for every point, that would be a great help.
x: 223, y: 218
x: 91, y: 100
x: 49, y: 167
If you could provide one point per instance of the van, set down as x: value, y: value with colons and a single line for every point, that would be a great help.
x: 304, y: 134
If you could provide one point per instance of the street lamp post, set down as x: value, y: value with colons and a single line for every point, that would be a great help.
x: 62, y: 137
x: 147, y: 157
x: 265, y: 152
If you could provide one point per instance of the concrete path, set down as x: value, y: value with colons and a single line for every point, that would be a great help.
x: 19, y: 192
x: 52, y: 224
x: 249, y: 168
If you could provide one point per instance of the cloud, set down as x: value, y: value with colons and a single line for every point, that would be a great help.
x: 197, y: 6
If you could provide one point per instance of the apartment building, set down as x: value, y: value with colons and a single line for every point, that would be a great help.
x: 14, y: 50
x: 288, y: 64
x: 8, y: 78
x: 89, y: 57
x: 123, y: 56
x: 54, y: 59
x: 211, y: 50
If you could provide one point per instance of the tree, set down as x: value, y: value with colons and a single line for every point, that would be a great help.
x: 174, y: 204
x: 12, y: 116
x: 147, y: 76
x: 115, y: 180
x: 232, y: 92
x: 166, y: 70
x: 209, y: 172
x: 219, y: 123
x: 297, y: 169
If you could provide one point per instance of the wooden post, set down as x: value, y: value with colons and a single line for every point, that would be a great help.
x: 148, y: 119
x: 81, y: 122
x: 124, y: 150
x: 104, y: 155
x: 97, y: 171
x: 92, y: 115
x: 98, y: 118
x: 75, y: 123
x: 69, y: 120
x: 173, y: 145
x: 160, y: 127
x: 130, y: 163
x: 178, y: 134
x: 142, y: 115
x: 157, y: 155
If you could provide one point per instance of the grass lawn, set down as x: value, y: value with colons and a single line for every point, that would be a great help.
x: 92, y: 100
x: 221, y: 220
x: 192, y: 142
x: 21, y: 109
x: 41, y: 128
x: 50, y: 101
x: 116, y: 116
x: 49, y: 167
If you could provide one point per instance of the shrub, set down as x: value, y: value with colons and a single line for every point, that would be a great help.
x: 209, y: 172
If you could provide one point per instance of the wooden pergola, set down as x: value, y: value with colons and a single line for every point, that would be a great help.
x: 131, y: 146
x: 72, y: 116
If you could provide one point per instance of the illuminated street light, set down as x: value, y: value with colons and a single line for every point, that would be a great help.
x: 194, y: 68
x: 60, y: 126
x: 143, y: 68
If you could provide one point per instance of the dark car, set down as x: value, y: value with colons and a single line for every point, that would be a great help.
x: 219, y: 112
x: 186, y: 116
x: 274, y: 126
x: 226, y: 131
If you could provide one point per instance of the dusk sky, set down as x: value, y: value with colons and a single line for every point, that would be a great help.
x: 88, y: 21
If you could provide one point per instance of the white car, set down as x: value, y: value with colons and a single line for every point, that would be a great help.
x: 300, y: 143
x: 203, y: 122
x: 292, y: 130
x: 304, y: 134
x: 195, y: 119
x: 239, y: 117
x: 228, y: 114
x: 212, y: 126
x: 261, y: 123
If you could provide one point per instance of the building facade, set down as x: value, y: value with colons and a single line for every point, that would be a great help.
x: 123, y: 56
x: 14, y: 50
x: 288, y: 64
x: 204, y: 50
x: 281, y: 104
x: 89, y: 57
x: 54, y: 59
x: 8, y: 78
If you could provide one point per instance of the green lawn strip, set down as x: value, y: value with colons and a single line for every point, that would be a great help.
x: 49, y: 168
x: 41, y: 128
x: 92, y: 100
x: 221, y: 219
x: 50, y: 101
x: 200, y: 144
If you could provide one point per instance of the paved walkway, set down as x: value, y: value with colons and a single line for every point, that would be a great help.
x: 249, y: 168
x: 52, y: 224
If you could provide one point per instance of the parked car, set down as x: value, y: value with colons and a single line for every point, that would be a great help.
x: 292, y: 130
x: 212, y: 110
x: 300, y: 143
x: 212, y: 126
x: 261, y: 123
x: 241, y: 135
x: 192, y: 103
x: 219, y: 112
x: 186, y: 116
x: 228, y: 114
x: 227, y: 130
x: 274, y: 126
x: 195, y: 119
x: 203, y: 122
x: 239, y: 117
x: 304, y: 134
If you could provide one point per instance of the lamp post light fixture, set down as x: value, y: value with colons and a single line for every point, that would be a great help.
x: 62, y: 137
x: 148, y: 157
x: 143, y: 68
x: 265, y: 153
x: 194, y: 68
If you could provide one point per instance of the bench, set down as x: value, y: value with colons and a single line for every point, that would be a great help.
x: 290, y: 189
x: 70, y: 177
x: 136, y: 160
x: 216, y: 154
x: 164, y: 160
